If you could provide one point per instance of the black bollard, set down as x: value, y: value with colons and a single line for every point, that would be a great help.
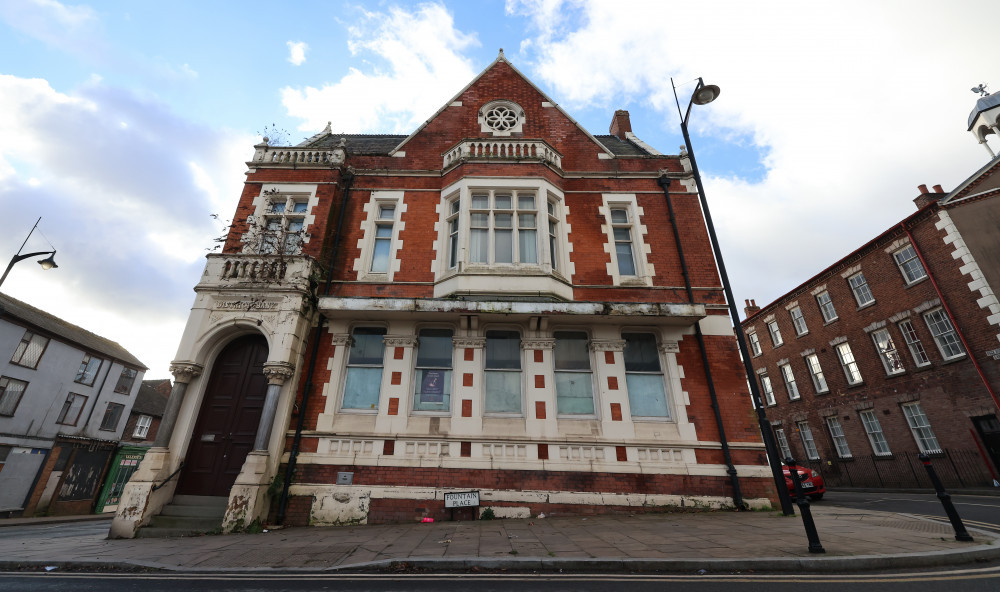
x: 803, y: 503
x: 949, y: 508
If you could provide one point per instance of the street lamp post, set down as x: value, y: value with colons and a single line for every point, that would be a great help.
x: 47, y: 263
x: 704, y: 94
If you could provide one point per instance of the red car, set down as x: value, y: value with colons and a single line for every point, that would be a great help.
x: 812, y: 482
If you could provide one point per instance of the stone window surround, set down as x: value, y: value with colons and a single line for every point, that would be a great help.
x: 366, y: 244
x: 300, y: 191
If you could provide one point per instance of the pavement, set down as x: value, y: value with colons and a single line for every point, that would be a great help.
x: 717, y: 542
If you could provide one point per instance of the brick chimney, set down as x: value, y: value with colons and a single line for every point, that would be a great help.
x: 620, y: 125
x: 750, y: 309
x: 926, y: 196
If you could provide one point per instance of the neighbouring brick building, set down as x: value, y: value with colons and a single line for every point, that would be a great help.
x: 146, y: 413
x: 494, y: 302
x: 893, y: 350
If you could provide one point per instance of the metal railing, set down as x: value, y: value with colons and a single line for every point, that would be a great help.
x: 956, y: 468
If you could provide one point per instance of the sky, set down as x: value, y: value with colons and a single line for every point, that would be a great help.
x: 125, y: 126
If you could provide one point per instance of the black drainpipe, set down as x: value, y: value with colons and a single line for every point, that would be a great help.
x: 664, y: 182
x: 293, y: 454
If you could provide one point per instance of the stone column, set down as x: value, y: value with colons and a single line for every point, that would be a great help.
x: 183, y: 373
x: 277, y: 373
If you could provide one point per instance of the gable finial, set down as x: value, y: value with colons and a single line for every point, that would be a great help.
x: 981, y: 89
x: 501, y: 56
x: 327, y: 129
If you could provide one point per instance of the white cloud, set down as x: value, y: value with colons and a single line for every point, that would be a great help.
x: 127, y: 208
x: 297, y: 52
x: 70, y: 28
x: 423, y: 66
x: 853, y: 105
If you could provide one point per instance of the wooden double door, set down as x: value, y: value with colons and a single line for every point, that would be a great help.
x: 227, y: 421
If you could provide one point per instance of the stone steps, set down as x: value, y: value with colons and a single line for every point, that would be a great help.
x: 187, y: 515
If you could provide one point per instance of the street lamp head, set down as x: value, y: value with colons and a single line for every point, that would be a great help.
x: 49, y: 262
x: 706, y: 94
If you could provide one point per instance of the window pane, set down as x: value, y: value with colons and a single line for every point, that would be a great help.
x: 640, y: 353
x: 434, y: 350
x: 502, y: 201
x: 10, y: 394
x: 362, y: 388
x: 646, y: 396
x: 503, y: 350
x: 570, y: 351
x: 278, y: 207
x: 619, y: 216
x: 367, y: 346
x: 479, y: 246
x: 526, y: 201
x: 574, y: 393
x: 380, y: 256
x: 503, y: 392
x: 480, y: 202
x: 626, y: 265
x: 623, y: 234
x: 504, y: 220
x: 386, y: 212
x: 433, y: 390
x: 527, y: 246
x: 300, y: 207
x: 505, y: 246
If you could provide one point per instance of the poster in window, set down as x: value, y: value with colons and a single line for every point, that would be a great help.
x: 432, y: 387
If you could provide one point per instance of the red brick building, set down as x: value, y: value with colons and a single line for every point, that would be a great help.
x: 893, y: 350
x: 495, y: 302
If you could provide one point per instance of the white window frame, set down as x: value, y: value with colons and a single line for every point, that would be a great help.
x: 768, y: 388
x: 779, y: 436
x: 519, y: 371
x: 142, y: 426
x: 909, y: 265
x: 945, y: 336
x: 775, y: 332
x: 849, y: 363
x: 368, y: 243
x: 887, y: 352
x: 790, y: 387
x: 825, y: 302
x: 913, y: 343
x: 349, y: 365
x: 454, y: 272
x: 862, y: 292
x: 798, y: 321
x: 583, y: 375
x: 640, y: 249
x: 816, y: 373
x: 287, y: 195
x: 920, y: 427
x: 880, y: 446
x: 839, y: 439
x: 633, y: 376
x: 448, y: 380
x: 754, y: 343
x: 808, y: 442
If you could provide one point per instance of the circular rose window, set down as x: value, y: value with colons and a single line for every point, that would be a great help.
x: 501, y: 118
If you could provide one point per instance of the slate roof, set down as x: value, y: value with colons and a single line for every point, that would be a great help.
x: 359, y: 144
x: 68, y: 332
x: 149, y: 401
x: 621, y: 147
x: 382, y: 144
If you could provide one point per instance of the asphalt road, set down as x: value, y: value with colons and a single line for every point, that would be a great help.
x: 976, y: 511
x: 968, y: 580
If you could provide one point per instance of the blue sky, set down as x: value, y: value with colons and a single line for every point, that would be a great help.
x: 126, y: 124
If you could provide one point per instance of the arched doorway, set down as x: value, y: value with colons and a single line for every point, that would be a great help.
x: 227, y: 421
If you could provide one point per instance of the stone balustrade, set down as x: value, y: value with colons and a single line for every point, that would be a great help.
x: 503, y: 149
x: 264, y: 154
